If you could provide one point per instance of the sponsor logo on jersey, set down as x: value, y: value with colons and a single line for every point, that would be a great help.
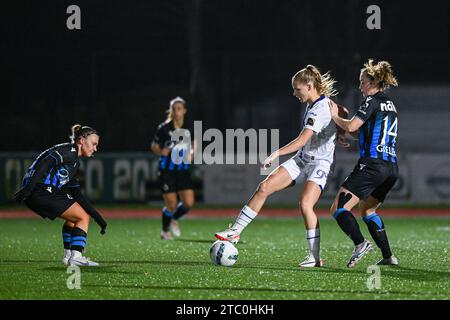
x: 361, y: 166
x: 69, y: 197
x: 49, y: 189
x: 363, y: 108
x: 63, y: 176
x: 385, y: 149
x: 310, y: 122
x: 388, y: 106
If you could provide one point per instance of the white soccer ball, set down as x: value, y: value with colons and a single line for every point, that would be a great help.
x: 223, y: 253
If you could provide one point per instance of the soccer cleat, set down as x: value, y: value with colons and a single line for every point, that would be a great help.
x: 391, y: 261
x: 66, y: 258
x: 231, y: 235
x: 311, y: 262
x: 82, y: 261
x: 166, y: 235
x: 359, y: 253
x: 175, y: 228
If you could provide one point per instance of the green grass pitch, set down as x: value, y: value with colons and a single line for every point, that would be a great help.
x: 136, y: 264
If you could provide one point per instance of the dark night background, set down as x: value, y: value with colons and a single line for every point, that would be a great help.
x: 231, y: 60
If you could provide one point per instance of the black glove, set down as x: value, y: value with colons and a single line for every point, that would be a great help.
x: 102, y: 223
x: 22, y: 194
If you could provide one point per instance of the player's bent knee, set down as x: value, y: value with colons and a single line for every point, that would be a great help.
x: 305, y: 207
x: 171, y: 208
x: 264, y: 188
x: 84, y: 217
x: 188, y: 205
x: 344, y: 198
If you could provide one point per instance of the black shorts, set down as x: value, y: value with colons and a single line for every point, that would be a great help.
x: 173, y: 181
x: 49, y: 202
x: 372, y: 177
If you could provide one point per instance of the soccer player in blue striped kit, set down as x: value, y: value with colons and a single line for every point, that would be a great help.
x: 376, y: 171
x: 51, y: 189
x: 174, y: 176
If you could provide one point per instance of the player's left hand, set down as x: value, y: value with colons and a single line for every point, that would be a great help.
x: 102, y: 223
x: 343, y: 141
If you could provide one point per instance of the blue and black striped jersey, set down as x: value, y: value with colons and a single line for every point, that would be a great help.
x: 179, y: 143
x: 378, y: 134
x: 63, y: 169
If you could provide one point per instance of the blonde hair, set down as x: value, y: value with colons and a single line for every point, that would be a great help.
x: 381, y: 73
x: 79, y: 131
x: 171, y: 104
x: 323, y: 83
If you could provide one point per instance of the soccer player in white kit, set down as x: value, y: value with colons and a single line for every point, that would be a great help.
x: 312, y: 163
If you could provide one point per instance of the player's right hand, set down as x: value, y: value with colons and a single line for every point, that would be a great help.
x: 165, y: 152
x: 333, y: 108
x: 268, y: 162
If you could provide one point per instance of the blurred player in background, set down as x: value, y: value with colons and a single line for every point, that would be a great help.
x: 376, y: 171
x: 172, y: 142
x: 311, y: 164
x: 51, y: 189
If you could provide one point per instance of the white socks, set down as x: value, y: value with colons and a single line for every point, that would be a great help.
x: 76, y: 254
x: 244, y: 218
x: 313, y: 238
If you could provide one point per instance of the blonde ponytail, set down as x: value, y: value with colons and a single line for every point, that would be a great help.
x: 79, y: 131
x: 323, y: 83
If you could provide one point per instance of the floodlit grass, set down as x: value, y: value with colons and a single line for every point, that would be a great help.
x: 136, y: 264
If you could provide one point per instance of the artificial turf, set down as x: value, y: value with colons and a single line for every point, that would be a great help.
x: 136, y: 264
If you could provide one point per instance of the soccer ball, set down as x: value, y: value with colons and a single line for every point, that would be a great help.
x: 223, y: 253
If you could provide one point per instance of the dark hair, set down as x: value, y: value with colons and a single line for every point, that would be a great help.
x: 79, y: 131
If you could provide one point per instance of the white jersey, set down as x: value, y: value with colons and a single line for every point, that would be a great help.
x: 322, y: 144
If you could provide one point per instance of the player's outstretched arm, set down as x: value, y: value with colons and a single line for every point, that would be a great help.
x: 351, y: 125
x: 87, y: 206
x: 291, y: 147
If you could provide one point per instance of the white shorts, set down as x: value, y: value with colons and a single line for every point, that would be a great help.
x: 301, y: 171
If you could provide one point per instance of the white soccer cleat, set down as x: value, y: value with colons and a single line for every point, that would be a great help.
x: 166, y: 235
x: 391, y: 261
x: 175, y: 228
x: 231, y: 235
x: 82, y: 261
x: 66, y: 257
x: 359, y: 253
x: 311, y: 262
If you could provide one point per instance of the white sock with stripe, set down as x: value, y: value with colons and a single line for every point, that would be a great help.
x: 313, y: 238
x: 244, y: 218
